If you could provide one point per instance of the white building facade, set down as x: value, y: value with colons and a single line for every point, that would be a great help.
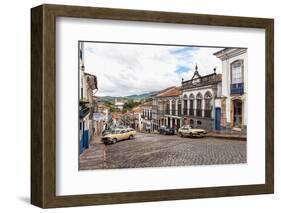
x: 119, y: 104
x: 87, y: 84
x: 233, y: 104
x: 167, y: 108
x: 147, y: 116
x: 199, y: 97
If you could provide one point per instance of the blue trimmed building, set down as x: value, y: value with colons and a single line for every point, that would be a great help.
x: 87, y: 86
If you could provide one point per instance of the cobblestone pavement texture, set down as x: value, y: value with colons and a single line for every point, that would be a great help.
x: 153, y: 150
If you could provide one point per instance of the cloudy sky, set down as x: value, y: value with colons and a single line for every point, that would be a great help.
x: 128, y: 69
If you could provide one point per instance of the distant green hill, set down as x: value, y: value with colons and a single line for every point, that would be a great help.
x: 140, y: 97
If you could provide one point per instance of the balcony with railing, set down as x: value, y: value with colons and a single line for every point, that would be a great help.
x: 181, y: 112
x: 199, y: 112
x: 207, y: 113
x: 168, y: 112
x: 237, y: 89
x: 84, y: 108
x: 191, y: 112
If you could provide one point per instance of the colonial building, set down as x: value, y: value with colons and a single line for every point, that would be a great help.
x: 234, y: 88
x: 137, y: 113
x: 117, y: 118
x: 87, y: 84
x: 118, y: 104
x: 198, y: 99
x: 101, y: 118
x: 147, y: 115
x: 167, y: 108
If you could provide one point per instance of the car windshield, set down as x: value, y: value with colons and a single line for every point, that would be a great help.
x: 115, y: 131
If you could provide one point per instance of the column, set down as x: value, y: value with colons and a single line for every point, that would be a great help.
x: 213, y: 108
x: 188, y: 106
x: 170, y: 106
x: 195, y: 106
x: 176, y: 108
x: 182, y: 107
x: 203, y: 107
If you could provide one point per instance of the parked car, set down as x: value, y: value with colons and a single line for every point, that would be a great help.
x: 187, y: 130
x: 165, y: 130
x: 118, y: 135
x: 107, y: 131
x: 148, y: 128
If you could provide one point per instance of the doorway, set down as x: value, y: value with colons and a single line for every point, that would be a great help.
x: 237, y: 113
x: 218, y: 118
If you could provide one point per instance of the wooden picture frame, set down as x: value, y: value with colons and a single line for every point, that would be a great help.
x: 43, y: 105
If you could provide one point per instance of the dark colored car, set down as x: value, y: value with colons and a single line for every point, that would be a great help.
x: 165, y: 130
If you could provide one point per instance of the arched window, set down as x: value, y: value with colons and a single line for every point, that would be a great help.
x: 199, y: 104
x: 208, y: 105
x: 191, y: 104
x: 173, y: 107
x: 167, y: 107
x: 179, y: 108
x: 185, y: 104
x: 237, y: 81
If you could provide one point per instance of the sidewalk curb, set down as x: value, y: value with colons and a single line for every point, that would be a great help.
x: 228, y: 137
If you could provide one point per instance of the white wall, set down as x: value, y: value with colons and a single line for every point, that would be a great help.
x: 226, y: 80
x: 15, y: 51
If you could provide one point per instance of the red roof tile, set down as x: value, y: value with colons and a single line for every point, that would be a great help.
x: 169, y: 92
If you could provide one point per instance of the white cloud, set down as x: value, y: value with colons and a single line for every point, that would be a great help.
x: 205, y: 61
x: 126, y: 69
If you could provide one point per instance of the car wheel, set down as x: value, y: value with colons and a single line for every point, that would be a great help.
x: 190, y: 134
x: 181, y: 135
x: 114, y: 140
x: 131, y: 137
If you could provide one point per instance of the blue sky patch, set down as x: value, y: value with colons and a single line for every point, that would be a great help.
x: 183, y: 50
x: 182, y: 69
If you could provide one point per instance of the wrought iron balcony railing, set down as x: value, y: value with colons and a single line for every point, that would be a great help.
x: 83, y: 112
x: 184, y: 112
x: 191, y: 112
x: 207, y: 113
x: 237, y: 89
x: 199, y: 112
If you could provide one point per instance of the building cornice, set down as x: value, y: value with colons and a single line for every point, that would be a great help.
x: 229, y: 53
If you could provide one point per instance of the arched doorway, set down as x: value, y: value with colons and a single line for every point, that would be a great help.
x: 237, y: 113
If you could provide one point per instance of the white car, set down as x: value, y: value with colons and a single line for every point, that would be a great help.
x: 187, y: 130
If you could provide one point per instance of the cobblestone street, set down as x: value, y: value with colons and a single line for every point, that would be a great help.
x: 153, y: 150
